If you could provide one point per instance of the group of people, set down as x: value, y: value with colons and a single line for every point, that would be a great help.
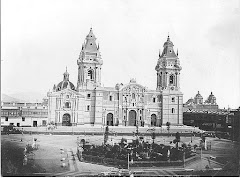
x: 51, y: 126
x: 28, y: 149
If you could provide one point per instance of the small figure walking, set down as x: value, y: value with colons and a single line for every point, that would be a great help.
x: 25, y: 160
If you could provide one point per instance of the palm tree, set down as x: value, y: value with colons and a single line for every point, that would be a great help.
x: 168, y: 127
x: 177, y: 139
x: 106, y: 135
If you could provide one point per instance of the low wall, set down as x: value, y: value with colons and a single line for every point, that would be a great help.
x: 157, y: 164
x: 124, y: 164
x: 104, y: 161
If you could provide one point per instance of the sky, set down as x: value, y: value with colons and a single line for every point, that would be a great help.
x: 39, y: 38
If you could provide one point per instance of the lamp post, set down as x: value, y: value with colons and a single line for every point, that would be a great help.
x: 184, y: 158
x: 72, y: 130
x: 191, y: 137
x: 137, y: 131
x: 128, y: 161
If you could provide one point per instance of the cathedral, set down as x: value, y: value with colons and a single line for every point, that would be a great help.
x: 131, y: 104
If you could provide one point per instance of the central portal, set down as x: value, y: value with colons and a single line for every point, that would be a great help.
x: 66, y: 120
x: 110, y: 119
x: 132, y: 118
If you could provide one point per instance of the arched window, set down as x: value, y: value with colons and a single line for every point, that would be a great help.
x: 171, y: 79
x: 110, y: 119
x: 133, y: 96
x: 172, y: 110
x: 153, y: 120
x: 90, y: 74
x: 160, y: 80
x: 154, y: 100
x: 67, y: 105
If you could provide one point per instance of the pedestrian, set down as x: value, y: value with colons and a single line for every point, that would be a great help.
x: 25, y: 160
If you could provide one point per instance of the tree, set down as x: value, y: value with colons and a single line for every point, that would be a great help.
x: 177, y: 139
x: 106, y: 135
x: 168, y: 127
x: 153, y: 136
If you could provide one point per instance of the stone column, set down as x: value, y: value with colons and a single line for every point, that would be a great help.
x: 100, y: 75
x: 126, y: 117
x: 166, y: 79
x: 175, y: 79
x: 160, y: 80
x: 137, y: 119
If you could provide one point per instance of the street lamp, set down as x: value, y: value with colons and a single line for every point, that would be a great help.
x: 72, y: 130
x: 191, y: 137
x: 137, y: 132
x: 128, y: 161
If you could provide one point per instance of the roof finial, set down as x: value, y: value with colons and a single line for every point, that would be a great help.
x: 98, y: 46
x: 159, y: 53
x: 66, y: 68
x: 177, y: 52
x: 168, y: 38
x: 90, y: 30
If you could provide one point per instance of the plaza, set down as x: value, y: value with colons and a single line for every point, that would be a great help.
x: 53, y: 149
x: 103, y: 88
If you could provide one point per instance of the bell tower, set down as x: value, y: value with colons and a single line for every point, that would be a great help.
x: 168, y: 84
x: 89, y: 63
x: 168, y: 68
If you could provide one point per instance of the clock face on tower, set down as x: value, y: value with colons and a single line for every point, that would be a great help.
x: 172, y: 88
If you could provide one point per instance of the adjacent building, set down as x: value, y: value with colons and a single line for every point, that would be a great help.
x: 131, y: 104
x: 24, y: 114
x: 198, y: 104
x: 207, y: 116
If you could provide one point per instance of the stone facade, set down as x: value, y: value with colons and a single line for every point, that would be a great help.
x: 125, y: 104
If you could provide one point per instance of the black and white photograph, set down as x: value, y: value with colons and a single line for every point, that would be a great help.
x: 120, y: 88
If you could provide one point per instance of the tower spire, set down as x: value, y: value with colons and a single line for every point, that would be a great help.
x: 159, y: 53
x: 66, y: 75
x: 168, y: 38
x: 177, y: 52
x: 89, y: 59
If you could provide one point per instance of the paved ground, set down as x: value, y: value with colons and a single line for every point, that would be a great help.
x: 54, y: 150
